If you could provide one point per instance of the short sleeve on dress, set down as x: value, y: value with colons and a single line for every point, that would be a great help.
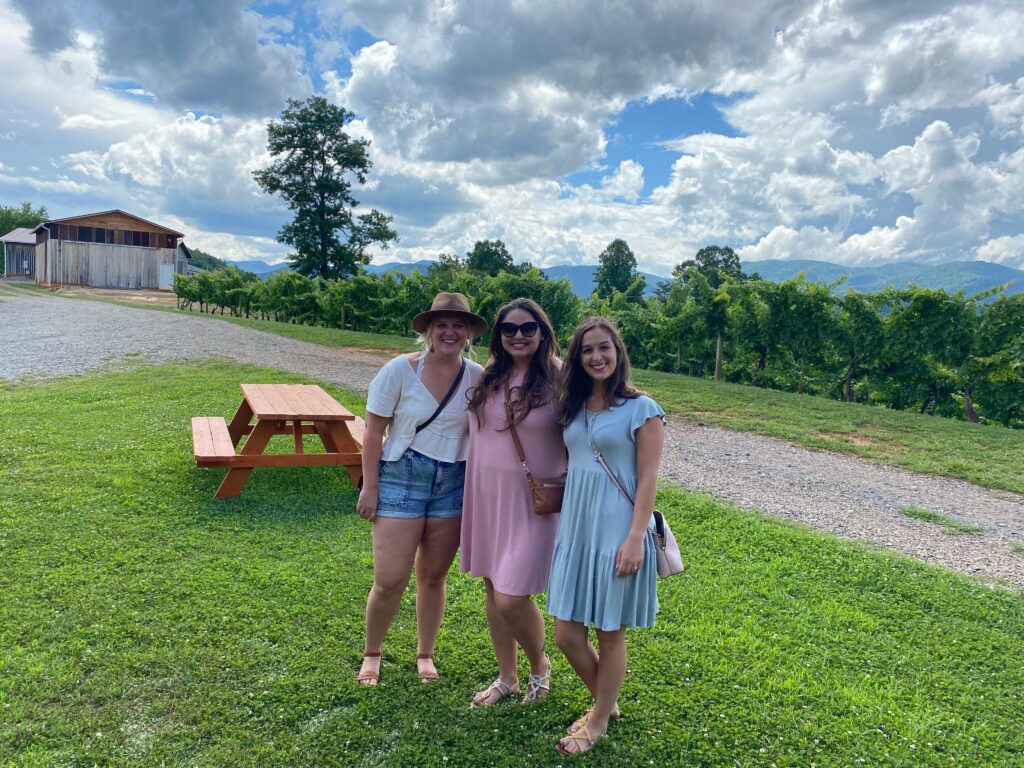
x: 386, y: 388
x: 643, y: 409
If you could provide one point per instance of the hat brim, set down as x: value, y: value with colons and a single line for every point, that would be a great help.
x: 477, y: 324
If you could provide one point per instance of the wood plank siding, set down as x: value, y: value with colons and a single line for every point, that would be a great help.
x: 102, y: 265
x: 112, y: 249
x: 19, y: 260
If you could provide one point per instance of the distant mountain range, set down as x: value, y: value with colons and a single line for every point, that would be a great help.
x: 971, y: 276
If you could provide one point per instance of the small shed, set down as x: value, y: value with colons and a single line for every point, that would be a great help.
x: 111, y: 249
x: 19, y: 253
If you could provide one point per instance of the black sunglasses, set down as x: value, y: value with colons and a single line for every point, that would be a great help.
x: 508, y: 330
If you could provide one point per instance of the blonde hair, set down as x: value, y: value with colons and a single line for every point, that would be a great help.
x: 423, y: 340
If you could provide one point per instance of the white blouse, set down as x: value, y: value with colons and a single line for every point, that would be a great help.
x: 396, y: 392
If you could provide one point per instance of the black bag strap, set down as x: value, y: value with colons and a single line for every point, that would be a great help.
x: 447, y: 398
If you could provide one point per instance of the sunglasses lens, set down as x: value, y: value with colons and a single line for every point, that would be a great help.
x: 510, y: 329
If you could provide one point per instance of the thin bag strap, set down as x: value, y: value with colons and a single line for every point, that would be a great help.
x: 601, y: 461
x: 510, y: 420
x: 446, y: 398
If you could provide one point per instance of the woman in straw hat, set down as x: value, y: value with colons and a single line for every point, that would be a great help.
x: 413, y: 477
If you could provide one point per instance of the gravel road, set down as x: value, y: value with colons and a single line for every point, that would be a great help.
x: 845, y: 495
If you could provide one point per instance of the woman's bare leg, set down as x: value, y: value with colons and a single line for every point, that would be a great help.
x: 394, y: 549
x: 526, y: 626
x: 436, y: 552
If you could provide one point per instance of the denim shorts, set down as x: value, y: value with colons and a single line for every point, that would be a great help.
x: 414, y: 485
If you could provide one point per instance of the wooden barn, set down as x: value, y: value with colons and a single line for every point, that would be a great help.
x: 19, y: 247
x: 112, y: 249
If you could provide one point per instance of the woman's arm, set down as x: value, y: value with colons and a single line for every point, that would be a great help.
x: 650, y: 438
x: 373, y: 444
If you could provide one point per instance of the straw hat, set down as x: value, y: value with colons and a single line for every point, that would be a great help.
x: 450, y: 304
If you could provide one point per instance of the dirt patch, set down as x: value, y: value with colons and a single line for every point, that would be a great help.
x: 855, y: 439
x: 142, y: 296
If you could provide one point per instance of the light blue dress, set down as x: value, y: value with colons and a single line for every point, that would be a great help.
x: 595, y: 520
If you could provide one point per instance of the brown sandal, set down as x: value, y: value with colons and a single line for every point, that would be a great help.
x: 369, y: 678
x: 427, y: 677
x: 582, y: 738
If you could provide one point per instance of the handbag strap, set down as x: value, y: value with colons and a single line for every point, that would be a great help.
x: 510, y: 421
x: 446, y: 398
x: 601, y: 461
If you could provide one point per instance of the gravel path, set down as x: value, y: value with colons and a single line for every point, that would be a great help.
x: 845, y: 495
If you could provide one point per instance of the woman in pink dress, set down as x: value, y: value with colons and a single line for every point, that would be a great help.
x: 503, y: 540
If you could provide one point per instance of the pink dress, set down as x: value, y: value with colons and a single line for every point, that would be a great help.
x: 502, y: 538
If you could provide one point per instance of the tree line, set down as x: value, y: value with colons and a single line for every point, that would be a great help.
x: 916, y: 348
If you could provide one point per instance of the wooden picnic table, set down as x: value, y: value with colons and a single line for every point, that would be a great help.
x: 278, y: 409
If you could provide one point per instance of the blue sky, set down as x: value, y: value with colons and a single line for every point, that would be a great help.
x: 854, y: 131
x: 639, y: 131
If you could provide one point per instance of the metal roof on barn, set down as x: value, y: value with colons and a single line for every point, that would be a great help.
x: 21, y: 235
x: 71, y: 219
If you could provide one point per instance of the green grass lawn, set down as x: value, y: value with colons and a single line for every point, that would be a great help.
x: 143, y: 622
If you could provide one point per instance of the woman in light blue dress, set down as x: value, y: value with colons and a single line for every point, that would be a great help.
x: 603, y: 570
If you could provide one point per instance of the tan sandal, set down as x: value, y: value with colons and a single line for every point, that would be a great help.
x: 537, y: 683
x: 369, y: 678
x: 483, y: 698
x: 427, y: 677
x: 582, y: 738
x: 582, y: 720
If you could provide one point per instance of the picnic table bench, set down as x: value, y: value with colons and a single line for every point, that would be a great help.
x: 278, y: 409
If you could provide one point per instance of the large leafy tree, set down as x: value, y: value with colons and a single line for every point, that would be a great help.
x: 24, y: 215
x: 489, y: 257
x: 314, y: 168
x: 718, y: 264
x: 616, y: 271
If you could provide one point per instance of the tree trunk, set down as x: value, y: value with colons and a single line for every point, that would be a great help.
x: 969, y: 413
x: 762, y: 355
x: 718, y: 357
x: 848, y: 382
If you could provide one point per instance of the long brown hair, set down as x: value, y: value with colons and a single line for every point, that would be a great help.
x: 542, y: 376
x: 577, y: 382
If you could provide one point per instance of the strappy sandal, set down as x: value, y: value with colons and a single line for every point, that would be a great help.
x: 582, y: 738
x: 537, y: 683
x: 582, y: 720
x: 427, y: 677
x: 369, y: 678
x: 483, y: 698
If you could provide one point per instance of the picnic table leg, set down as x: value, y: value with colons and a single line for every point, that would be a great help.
x: 236, y: 477
x: 341, y: 438
x: 240, y: 422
